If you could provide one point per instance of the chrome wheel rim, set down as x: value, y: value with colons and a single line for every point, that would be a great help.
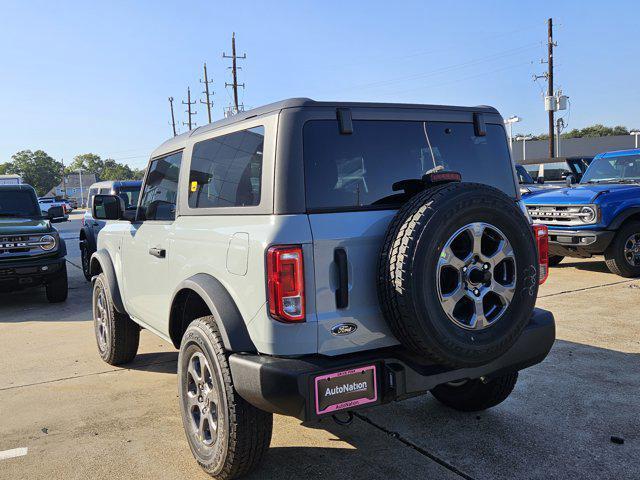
x: 202, y: 400
x: 85, y: 260
x: 476, y: 276
x: 101, y: 319
x: 632, y: 250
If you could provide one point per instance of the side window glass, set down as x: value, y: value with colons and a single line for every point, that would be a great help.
x: 92, y: 193
x: 226, y: 171
x: 161, y: 189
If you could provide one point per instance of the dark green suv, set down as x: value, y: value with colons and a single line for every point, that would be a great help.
x: 31, y: 250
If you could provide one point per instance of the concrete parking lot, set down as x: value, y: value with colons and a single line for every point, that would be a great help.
x: 80, y: 418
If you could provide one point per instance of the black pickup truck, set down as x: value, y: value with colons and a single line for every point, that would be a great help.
x: 31, y: 250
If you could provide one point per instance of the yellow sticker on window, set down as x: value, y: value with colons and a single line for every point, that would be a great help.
x: 194, y: 186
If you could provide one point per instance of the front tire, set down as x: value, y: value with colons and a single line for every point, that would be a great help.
x: 58, y: 288
x: 117, y: 335
x: 476, y: 395
x: 623, y: 255
x: 227, y: 436
x: 85, y: 257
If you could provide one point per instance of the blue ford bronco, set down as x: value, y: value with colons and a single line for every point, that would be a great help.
x: 598, y: 216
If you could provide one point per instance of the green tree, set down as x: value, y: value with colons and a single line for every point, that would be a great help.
x: 88, y: 162
x: 4, y: 168
x: 597, y: 130
x: 37, y: 169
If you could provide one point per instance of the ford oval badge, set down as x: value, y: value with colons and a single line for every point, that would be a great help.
x: 343, y: 329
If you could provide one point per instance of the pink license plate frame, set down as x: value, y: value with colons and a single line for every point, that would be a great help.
x: 352, y: 403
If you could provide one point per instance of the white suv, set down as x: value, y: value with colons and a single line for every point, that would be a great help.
x: 313, y: 258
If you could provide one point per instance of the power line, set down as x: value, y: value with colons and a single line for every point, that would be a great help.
x: 207, y: 101
x: 234, y: 69
x: 448, y: 68
x: 188, y: 111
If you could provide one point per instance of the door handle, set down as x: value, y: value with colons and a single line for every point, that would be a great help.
x: 342, y: 292
x: 158, y: 252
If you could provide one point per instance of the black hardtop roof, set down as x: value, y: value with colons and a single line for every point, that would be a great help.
x: 302, y: 102
x: 177, y: 142
x: 21, y: 186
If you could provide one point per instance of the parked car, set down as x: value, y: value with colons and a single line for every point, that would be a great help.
x: 32, y: 253
x: 598, y: 216
x: 577, y: 167
x: 343, y: 266
x: 528, y: 185
x: 46, y: 203
x: 73, y: 203
x: 128, y: 190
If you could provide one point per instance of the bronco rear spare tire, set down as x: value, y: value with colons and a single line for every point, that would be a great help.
x: 458, y: 277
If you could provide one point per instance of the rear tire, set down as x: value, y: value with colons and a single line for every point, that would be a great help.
x: 555, y: 260
x: 117, y: 335
x: 475, y: 395
x: 242, y: 432
x: 85, y: 257
x: 617, y: 258
x: 58, y: 288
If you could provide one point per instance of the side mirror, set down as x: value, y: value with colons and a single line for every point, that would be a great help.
x: 55, y: 212
x: 108, y: 207
x: 570, y: 180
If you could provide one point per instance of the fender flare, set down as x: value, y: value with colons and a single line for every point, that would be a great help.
x: 90, y: 239
x: 621, y: 217
x: 224, y: 310
x: 101, y: 260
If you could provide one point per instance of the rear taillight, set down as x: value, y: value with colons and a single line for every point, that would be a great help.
x: 285, y: 282
x: 541, y: 233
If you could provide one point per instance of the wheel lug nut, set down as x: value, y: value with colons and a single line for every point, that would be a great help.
x: 485, y: 266
x: 200, y: 399
x: 476, y: 292
x: 464, y: 269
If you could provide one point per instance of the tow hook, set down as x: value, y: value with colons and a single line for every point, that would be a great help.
x: 344, y: 423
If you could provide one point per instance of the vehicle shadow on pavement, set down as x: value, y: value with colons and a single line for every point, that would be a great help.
x: 158, y: 362
x: 593, y: 266
x: 557, y: 423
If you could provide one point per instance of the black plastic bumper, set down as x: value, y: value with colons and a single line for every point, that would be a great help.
x: 25, y: 273
x: 579, y: 243
x: 285, y: 385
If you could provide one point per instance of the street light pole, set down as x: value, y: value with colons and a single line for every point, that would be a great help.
x: 510, y: 121
x: 81, y: 191
x: 635, y: 133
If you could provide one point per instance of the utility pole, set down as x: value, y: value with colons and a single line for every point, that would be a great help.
x: 188, y: 103
x: 64, y: 181
x: 207, y: 102
x: 234, y: 69
x: 173, y: 118
x: 81, y: 189
x: 550, y: 46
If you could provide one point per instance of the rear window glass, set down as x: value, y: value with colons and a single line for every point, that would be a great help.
x: 358, y: 170
x: 226, y: 171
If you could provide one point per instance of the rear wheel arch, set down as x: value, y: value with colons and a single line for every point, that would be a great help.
x: 203, y: 295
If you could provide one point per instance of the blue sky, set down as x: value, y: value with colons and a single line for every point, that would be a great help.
x: 81, y: 77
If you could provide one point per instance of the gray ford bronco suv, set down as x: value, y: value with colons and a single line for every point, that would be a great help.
x: 314, y: 258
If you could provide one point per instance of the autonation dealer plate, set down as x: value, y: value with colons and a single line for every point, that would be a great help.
x: 346, y: 389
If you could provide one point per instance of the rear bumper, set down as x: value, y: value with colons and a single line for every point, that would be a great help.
x: 285, y: 385
x: 25, y: 273
x: 579, y: 243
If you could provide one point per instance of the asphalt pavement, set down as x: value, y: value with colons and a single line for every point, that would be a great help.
x: 64, y: 414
